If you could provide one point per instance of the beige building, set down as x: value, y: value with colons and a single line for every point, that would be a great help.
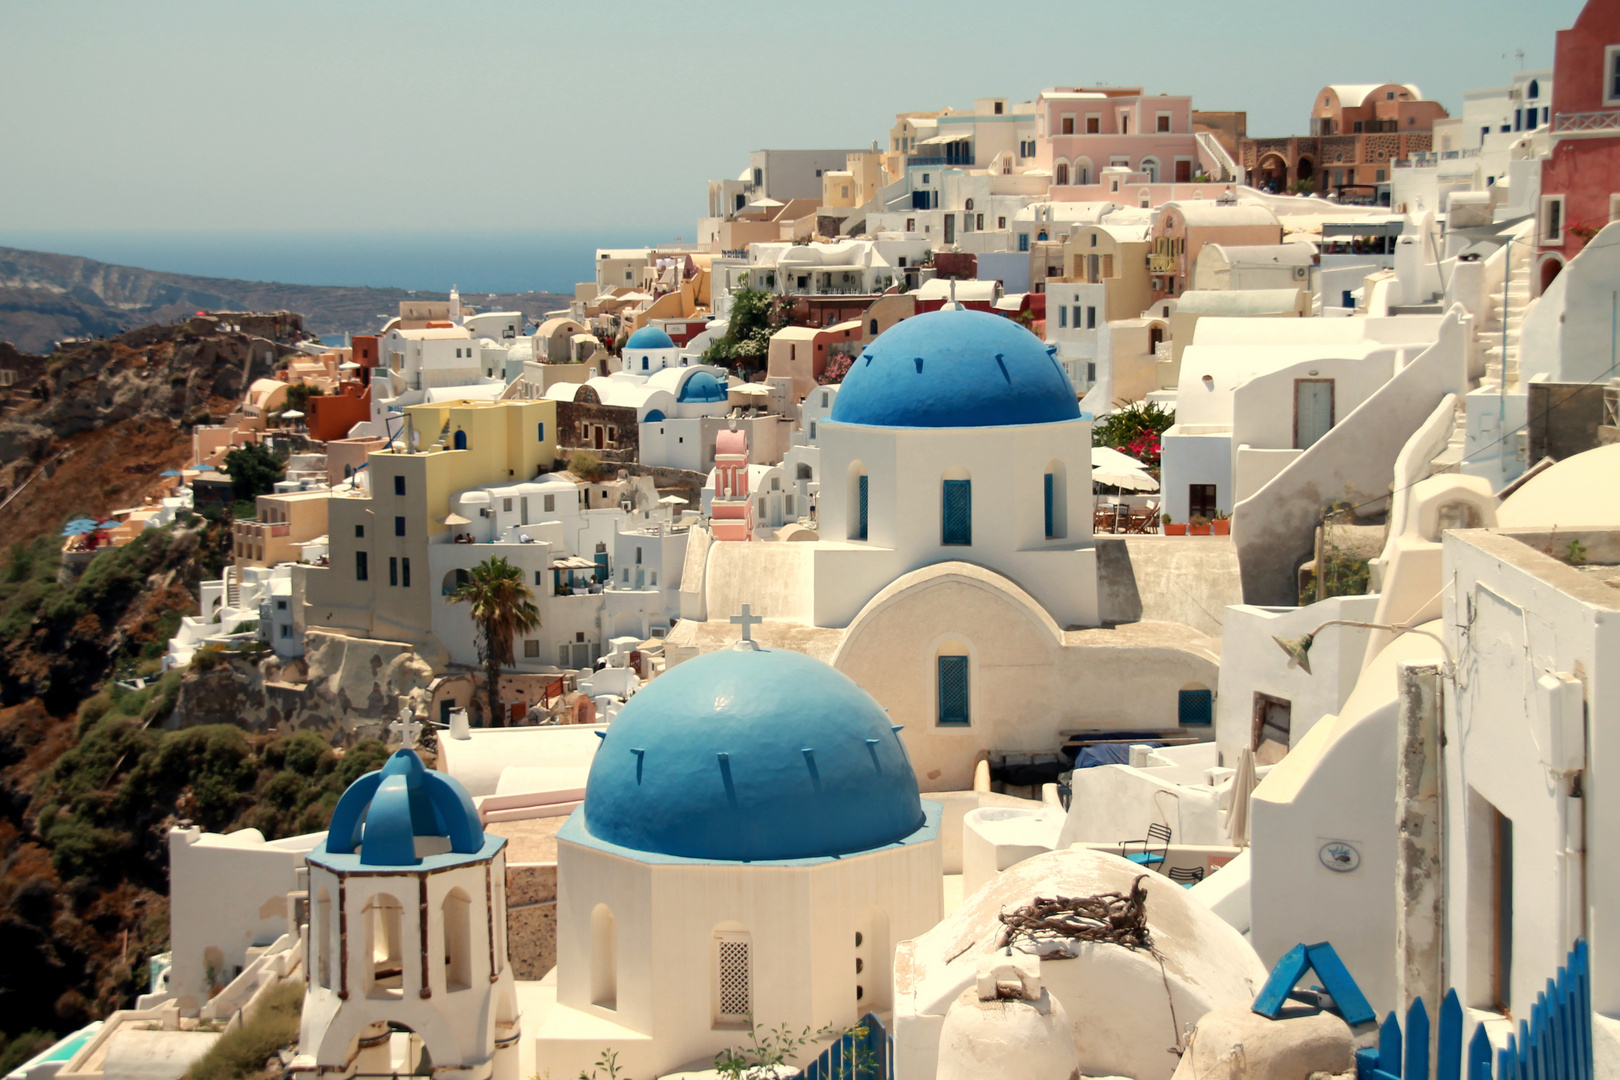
x: 377, y: 582
x: 855, y: 184
x: 281, y: 525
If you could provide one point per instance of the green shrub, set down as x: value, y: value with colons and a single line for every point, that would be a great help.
x: 243, y: 1051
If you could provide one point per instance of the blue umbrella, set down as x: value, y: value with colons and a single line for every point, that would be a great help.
x: 171, y: 472
x: 78, y: 530
x: 109, y: 524
x: 205, y: 468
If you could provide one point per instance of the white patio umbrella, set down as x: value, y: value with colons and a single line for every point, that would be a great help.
x: 1237, y: 812
x: 1109, y: 466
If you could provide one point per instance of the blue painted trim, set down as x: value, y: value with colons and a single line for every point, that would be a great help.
x: 575, y: 831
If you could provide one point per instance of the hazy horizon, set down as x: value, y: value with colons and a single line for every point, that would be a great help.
x: 194, y: 128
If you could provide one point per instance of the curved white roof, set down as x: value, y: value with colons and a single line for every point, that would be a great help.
x: 1208, y: 212
x: 1265, y: 254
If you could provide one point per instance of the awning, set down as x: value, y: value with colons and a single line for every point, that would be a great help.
x: 574, y: 562
x: 938, y: 140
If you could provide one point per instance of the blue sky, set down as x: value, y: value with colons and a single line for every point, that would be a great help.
x: 429, y: 117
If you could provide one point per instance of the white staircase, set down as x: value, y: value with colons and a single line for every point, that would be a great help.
x: 1502, y: 351
x: 1449, y: 459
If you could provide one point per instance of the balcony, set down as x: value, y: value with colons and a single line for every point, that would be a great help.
x: 1574, y: 123
x: 260, y: 531
x: 1161, y: 264
x: 946, y: 162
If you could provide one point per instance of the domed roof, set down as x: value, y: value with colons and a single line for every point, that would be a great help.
x: 403, y: 811
x: 701, y: 386
x: 956, y: 368
x: 752, y: 755
x: 649, y: 337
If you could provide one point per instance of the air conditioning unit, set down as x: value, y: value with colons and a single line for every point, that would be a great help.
x: 484, y: 511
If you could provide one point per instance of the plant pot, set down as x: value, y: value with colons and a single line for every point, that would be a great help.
x: 1176, y: 530
x: 1222, y: 527
x: 1198, y: 530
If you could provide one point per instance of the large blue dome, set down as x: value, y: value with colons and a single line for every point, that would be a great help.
x: 956, y: 368
x: 745, y: 755
x: 649, y: 337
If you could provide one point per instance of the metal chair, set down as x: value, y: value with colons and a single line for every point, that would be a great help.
x: 1157, y: 836
x: 1185, y: 876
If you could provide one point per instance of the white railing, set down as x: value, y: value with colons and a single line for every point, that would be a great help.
x: 1608, y: 120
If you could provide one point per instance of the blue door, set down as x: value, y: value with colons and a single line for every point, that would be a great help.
x: 957, y: 526
x: 461, y: 440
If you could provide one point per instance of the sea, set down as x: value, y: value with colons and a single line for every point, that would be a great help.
x: 506, y: 261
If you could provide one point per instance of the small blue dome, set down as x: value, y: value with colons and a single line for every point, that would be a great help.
x: 956, y: 368
x: 649, y: 337
x: 748, y: 756
x: 384, y: 813
x: 702, y: 388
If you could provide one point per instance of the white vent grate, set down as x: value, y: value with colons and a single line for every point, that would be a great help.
x: 735, y: 990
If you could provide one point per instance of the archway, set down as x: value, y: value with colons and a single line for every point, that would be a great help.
x: 461, y: 439
x: 1082, y: 171
x: 604, y: 958
x: 1305, y: 169
x: 454, y: 580
x: 859, y: 501
x: 457, y: 915
x: 1273, y: 172
x: 1550, y: 270
x: 1150, y: 166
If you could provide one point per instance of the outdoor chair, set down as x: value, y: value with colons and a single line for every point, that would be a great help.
x: 1158, y: 836
x: 1185, y: 876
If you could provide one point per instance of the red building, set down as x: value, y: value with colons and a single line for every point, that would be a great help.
x: 1580, y: 180
x: 332, y: 415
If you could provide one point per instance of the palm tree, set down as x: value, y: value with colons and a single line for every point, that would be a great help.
x: 502, y: 607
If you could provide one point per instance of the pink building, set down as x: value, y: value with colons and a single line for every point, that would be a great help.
x: 1145, y: 142
x: 1579, y: 190
x: 731, y: 512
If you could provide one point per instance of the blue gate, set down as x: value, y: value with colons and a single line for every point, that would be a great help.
x: 865, y: 1052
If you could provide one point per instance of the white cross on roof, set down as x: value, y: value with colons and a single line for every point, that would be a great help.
x: 406, y: 727
x: 747, y: 622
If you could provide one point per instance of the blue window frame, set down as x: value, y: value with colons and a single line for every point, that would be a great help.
x: 360, y: 568
x: 956, y: 526
x: 393, y: 571
x: 1023, y: 241
x: 1196, y: 708
x: 540, y: 431
x: 953, y: 690
x: 405, y: 572
x: 399, y: 485
x: 860, y: 525
x: 1049, y: 531
x: 399, y: 526
x: 1063, y: 317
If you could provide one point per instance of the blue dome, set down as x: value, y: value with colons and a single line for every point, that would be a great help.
x: 385, y: 813
x: 702, y: 387
x: 745, y: 755
x: 956, y: 368
x: 649, y: 337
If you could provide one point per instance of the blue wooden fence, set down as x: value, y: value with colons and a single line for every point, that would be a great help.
x: 1554, y: 1043
x: 864, y: 1053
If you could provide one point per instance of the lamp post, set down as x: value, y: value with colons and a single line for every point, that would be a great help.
x: 1298, y: 649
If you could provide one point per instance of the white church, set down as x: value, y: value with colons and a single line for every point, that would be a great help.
x: 751, y: 844
x: 956, y: 576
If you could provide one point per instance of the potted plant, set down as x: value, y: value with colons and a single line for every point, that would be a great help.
x: 1222, y: 524
x: 1198, y: 525
x: 1172, y: 529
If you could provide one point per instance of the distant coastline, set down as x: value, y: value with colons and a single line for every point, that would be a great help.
x: 475, y: 261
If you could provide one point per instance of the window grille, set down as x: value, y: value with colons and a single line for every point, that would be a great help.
x: 860, y: 531
x: 953, y: 690
x: 1049, y: 532
x: 736, y: 988
x: 957, y: 526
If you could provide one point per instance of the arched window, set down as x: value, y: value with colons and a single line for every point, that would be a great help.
x: 953, y: 704
x: 956, y: 508
x: 1055, y: 499
x: 874, y: 329
x: 1534, y: 90
x: 803, y: 472
x: 460, y: 439
x: 645, y: 361
x: 1082, y: 170
x: 457, y: 912
x: 859, y: 501
x: 604, y: 958
x: 383, y: 974
x: 1151, y: 167
x: 454, y: 580
x: 323, y: 938
x: 1062, y: 174
x: 968, y: 205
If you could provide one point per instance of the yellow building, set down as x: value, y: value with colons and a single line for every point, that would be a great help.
x: 281, y: 524
x: 377, y: 584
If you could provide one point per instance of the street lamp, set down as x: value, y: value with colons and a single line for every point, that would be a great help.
x: 1299, y: 649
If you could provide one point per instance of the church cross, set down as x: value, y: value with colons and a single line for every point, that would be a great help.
x: 747, y: 622
x: 406, y: 727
